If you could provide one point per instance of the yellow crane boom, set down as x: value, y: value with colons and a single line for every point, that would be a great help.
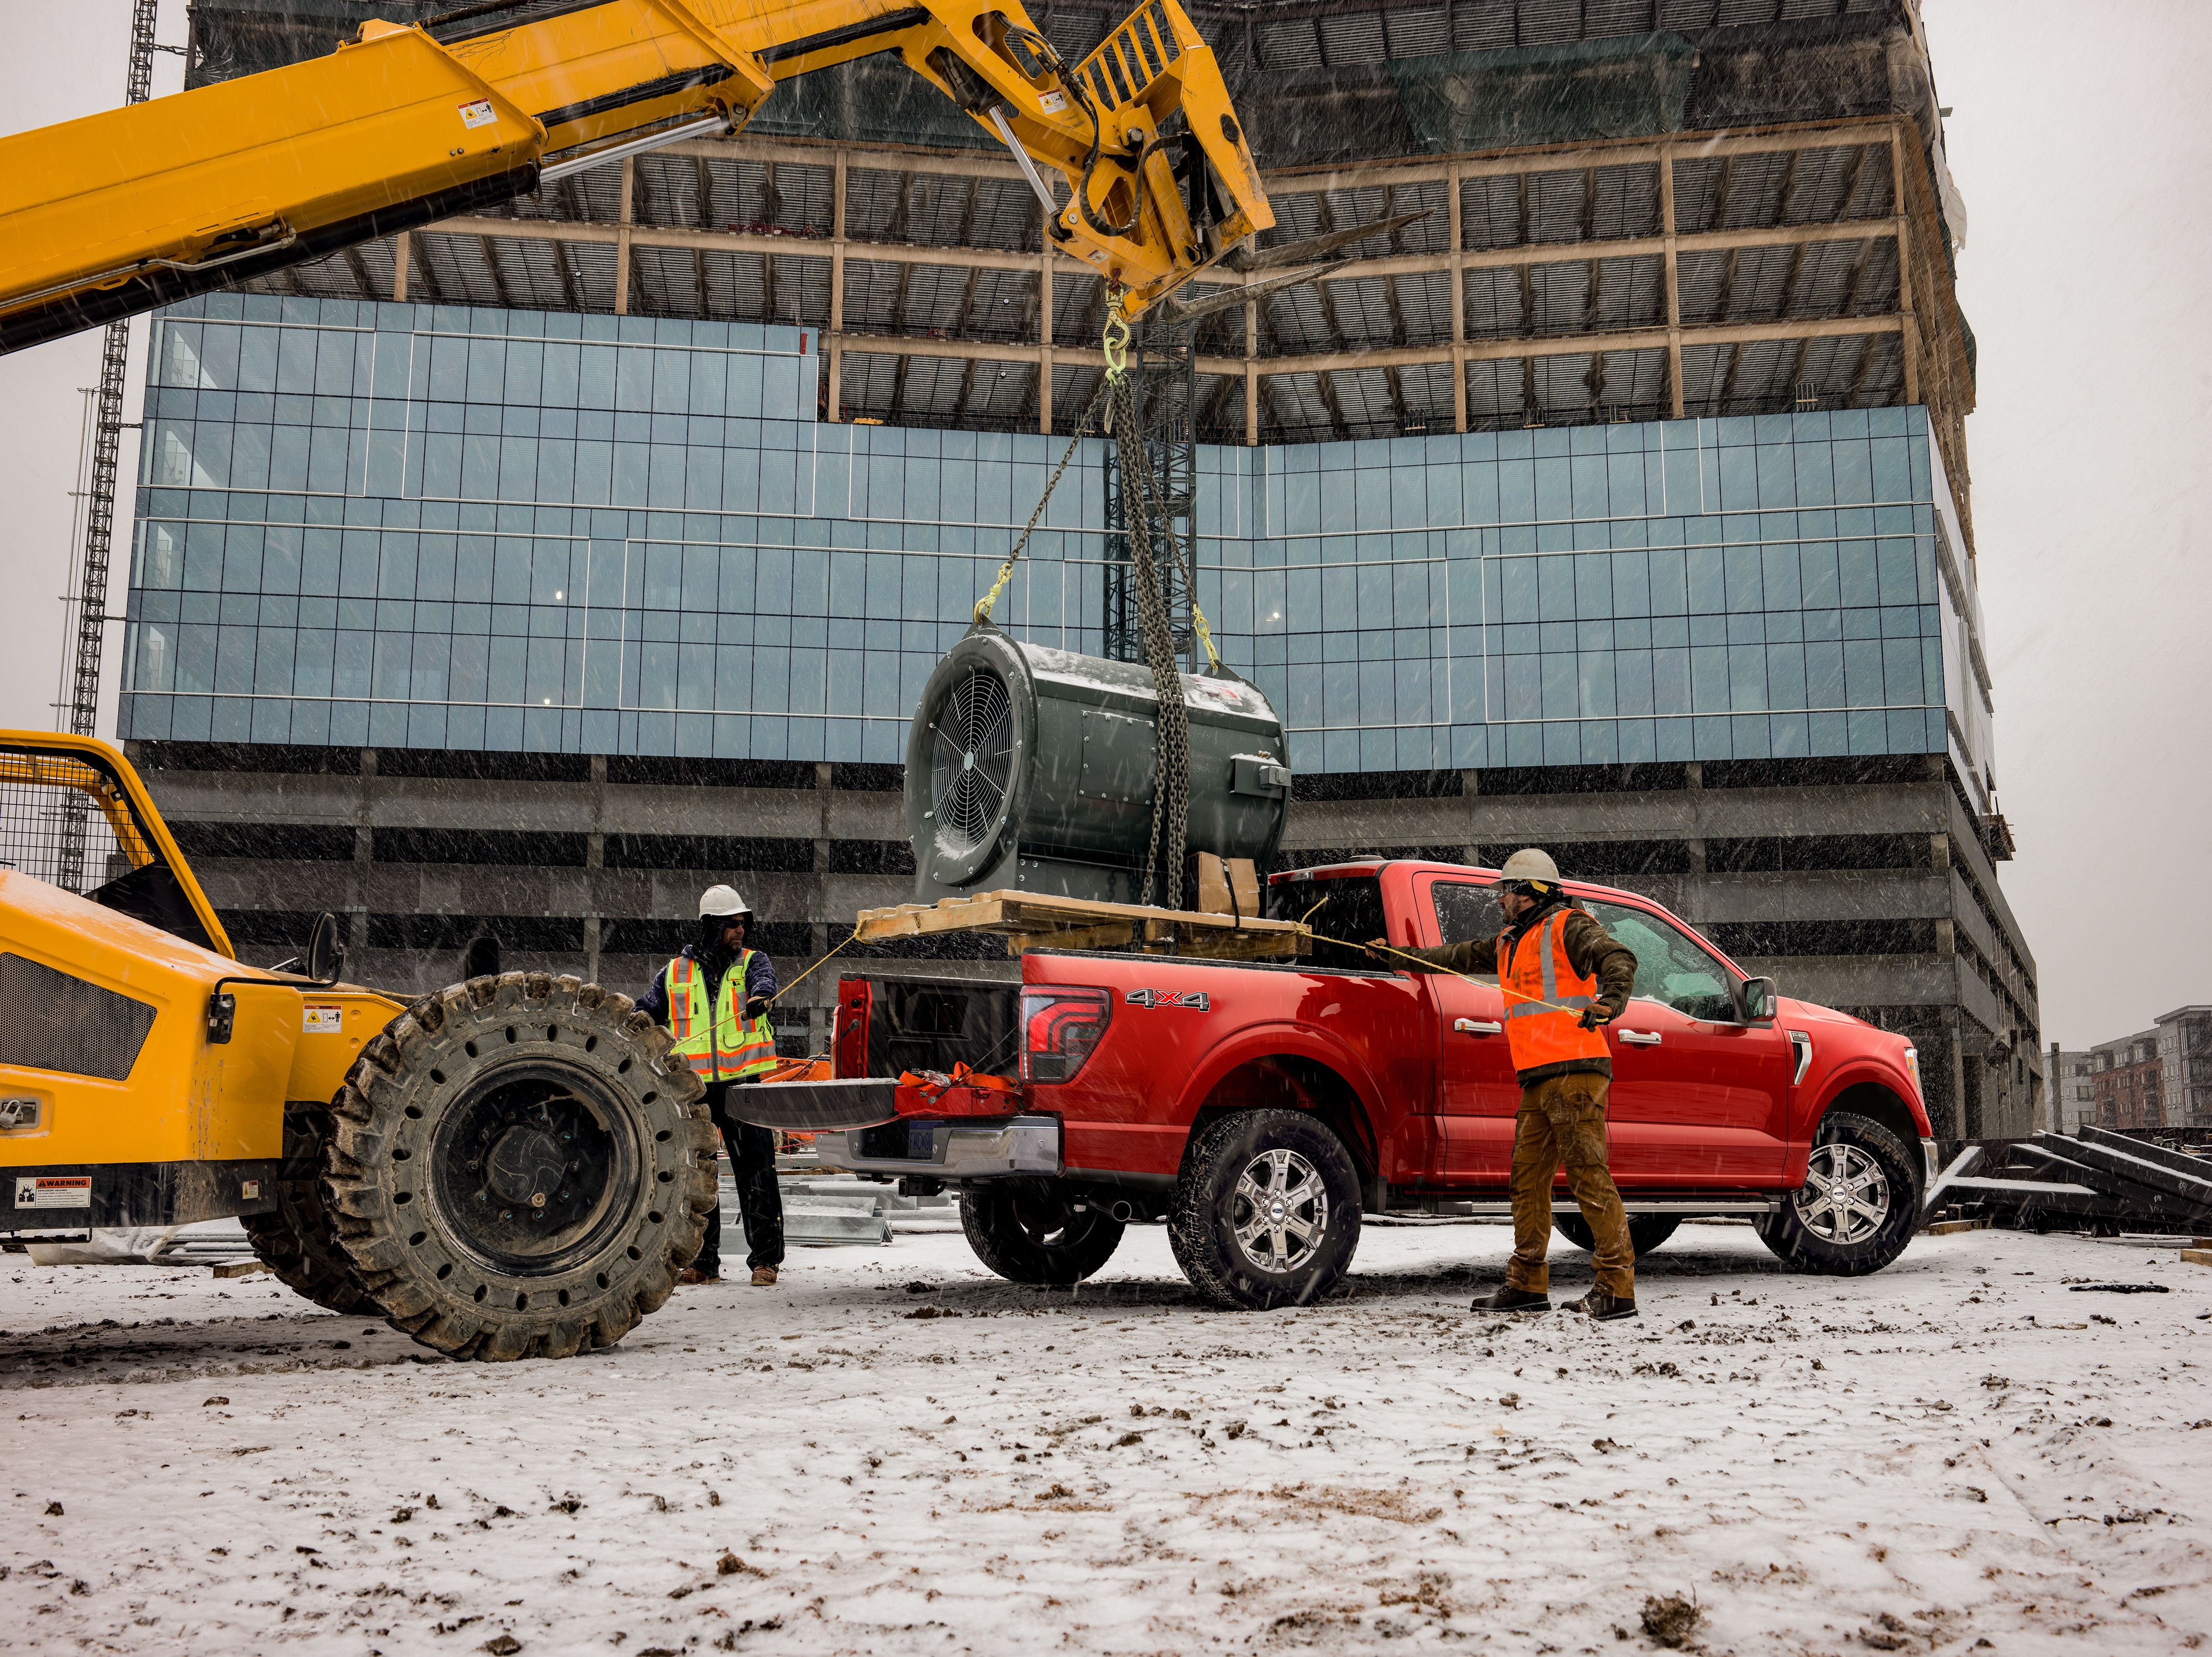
x: 140, y: 206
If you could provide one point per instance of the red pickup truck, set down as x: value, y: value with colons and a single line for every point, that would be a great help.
x: 1259, y: 1109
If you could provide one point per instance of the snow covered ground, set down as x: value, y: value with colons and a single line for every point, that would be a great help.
x: 896, y: 1452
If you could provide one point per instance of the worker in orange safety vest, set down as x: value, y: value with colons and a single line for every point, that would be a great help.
x: 1565, y: 978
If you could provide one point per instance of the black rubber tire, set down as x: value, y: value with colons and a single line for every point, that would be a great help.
x: 1800, y: 1247
x: 1028, y: 1231
x: 1645, y: 1231
x: 295, y: 1241
x: 492, y: 1051
x: 1202, y: 1224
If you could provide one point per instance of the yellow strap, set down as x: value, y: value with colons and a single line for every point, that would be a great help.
x: 1501, y: 986
x: 779, y: 994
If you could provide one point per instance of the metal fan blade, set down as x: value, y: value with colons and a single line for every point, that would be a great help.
x: 1190, y: 310
x: 1319, y: 247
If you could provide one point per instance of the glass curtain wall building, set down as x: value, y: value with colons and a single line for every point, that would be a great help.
x: 438, y: 527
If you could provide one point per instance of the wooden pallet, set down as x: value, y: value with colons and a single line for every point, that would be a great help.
x: 1031, y: 920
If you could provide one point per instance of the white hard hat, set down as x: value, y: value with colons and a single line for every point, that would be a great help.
x: 1530, y: 865
x: 721, y: 900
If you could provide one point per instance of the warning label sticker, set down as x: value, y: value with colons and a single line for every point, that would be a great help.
x: 1053, y: 102
x: 479, y: 112
x: 322, y: 1020
x: 54, y: 1192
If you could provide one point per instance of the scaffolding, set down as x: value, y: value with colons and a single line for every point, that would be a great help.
x: 86, y: 611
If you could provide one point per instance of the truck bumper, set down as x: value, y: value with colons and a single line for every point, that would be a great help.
x: 966, y: 1149
x: 1928, y: 1170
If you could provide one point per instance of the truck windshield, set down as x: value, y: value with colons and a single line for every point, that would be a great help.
x: 1345, y: 911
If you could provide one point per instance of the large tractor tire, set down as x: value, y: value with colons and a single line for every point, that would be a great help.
x: 1030, y: 1231
x: 295, y: 1241
x: 518, y: 1171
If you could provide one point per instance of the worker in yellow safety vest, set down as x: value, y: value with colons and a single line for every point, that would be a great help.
x: 713, y: 998
x: 1564, y: 979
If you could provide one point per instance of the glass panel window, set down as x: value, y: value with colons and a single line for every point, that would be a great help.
x: 1671, y: 967
x: 1468, y: 912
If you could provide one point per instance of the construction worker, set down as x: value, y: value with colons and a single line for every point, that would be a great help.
x: 713, y: 999
x: 1564, y: 979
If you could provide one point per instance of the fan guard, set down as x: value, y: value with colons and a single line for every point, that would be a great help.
x: 971, y: 761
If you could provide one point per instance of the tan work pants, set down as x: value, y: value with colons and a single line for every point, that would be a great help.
x: 1562, y: 1119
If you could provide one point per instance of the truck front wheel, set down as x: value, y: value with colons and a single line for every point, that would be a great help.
x: 1266, y: 1211
x: 517, y: 1170
x: 1858, y: 1206
x: 1032, y: 1232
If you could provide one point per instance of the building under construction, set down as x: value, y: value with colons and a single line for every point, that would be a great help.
x: 523, y: 574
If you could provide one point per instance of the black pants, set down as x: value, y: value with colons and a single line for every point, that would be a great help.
x: 752, y: 1159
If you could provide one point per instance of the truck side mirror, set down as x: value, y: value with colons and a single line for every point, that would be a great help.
x: 325, y: 957
x: 1758, y: 999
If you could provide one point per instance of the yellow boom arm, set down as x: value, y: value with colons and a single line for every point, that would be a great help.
x: 140, y: 206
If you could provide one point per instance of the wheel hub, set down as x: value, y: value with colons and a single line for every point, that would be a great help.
x: 1280, y: 1211
x: 1846, y: 1196
x: 531, y: 1166
x: 526, y: 1166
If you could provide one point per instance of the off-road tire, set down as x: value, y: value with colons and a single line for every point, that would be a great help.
x: 294, y: 1239
x: 1801, y: 1247
x: 1645, y: 1231
x: 1028, y: 1231
x: 1203, y: 1221
x: 499, y: 1106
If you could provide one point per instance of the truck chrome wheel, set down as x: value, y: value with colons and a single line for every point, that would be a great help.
x: 1845, y: 1197
x: 1282, y: 1210
x: 1266, y: 1211
x: 1858, y: 1206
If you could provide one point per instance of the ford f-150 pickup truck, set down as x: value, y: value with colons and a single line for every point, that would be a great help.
x: 1259, y: 1109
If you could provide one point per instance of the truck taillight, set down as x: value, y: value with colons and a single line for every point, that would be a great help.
x: 1060, y: 1026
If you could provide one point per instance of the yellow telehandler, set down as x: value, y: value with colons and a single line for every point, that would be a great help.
x: 509, y: 1168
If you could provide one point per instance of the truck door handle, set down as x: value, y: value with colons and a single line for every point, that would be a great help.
x: 1477, y: 1027
x: 1641, y: 1038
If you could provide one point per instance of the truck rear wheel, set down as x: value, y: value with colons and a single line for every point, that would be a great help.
x: 1266, y: 1212
x: 516, y: 1170
x: 295, y: 1242
x: 1858, y: 1207
x: 1031, y: 1231
x: 1645, y: 1231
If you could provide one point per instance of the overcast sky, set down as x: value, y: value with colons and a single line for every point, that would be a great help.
x: 2081, y: 140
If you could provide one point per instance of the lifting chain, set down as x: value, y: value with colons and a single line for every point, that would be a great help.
x: 1123, y: 420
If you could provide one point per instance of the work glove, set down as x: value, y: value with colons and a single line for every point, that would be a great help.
x: 756, y: 1007
x: 1594, y: 1017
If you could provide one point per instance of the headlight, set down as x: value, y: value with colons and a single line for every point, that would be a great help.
x: 1912, y: 1070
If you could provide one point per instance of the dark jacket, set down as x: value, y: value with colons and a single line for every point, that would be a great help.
x: 760, y: 981
x: 1591, y: 950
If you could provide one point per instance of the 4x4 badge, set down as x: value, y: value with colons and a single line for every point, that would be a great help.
x: 1196, y: 1000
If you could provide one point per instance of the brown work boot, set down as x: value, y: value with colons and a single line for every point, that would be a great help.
x: 1506, y: 1297
x: 691, y: 1275
x: 1601, y: 1307
x: 763, y: 1276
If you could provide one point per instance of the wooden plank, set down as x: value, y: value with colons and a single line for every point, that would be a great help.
x: 1111, y: 935
x: 1036, y: 920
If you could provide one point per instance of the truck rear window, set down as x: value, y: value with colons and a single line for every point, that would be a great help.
x: 1344, y: 911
